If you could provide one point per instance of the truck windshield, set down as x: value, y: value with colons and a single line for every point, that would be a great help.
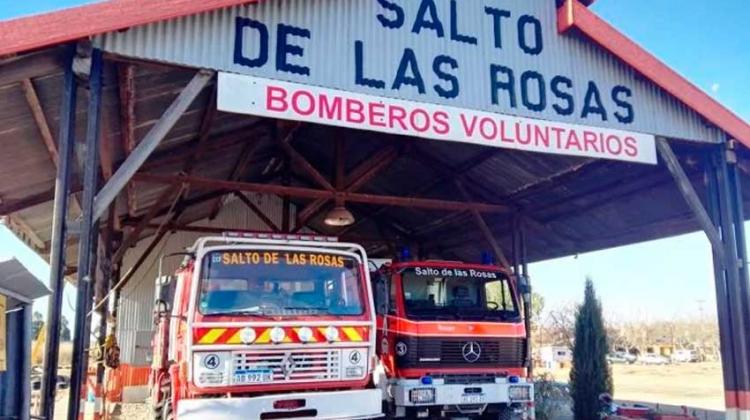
x: 279, y: 283
x: 457, y: 293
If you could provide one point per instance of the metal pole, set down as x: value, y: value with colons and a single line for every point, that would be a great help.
x: 526, y: 289
x: 736, y: 275
x: 102, y: 290
x: 88, y: 237
x: 26, y: 360
x: 726, y: 339
x: 66, y: 142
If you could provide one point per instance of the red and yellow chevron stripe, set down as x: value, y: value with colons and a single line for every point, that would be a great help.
x: 232, y: 335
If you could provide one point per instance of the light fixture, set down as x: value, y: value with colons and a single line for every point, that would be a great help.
x: 332, y: 334
x: 339, y: 216
x: 305, y: 334
x: 277, y: 335
x: 247, y: 335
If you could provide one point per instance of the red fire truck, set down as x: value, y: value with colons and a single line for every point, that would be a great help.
x: 255, y: 326
x: 452, y: 341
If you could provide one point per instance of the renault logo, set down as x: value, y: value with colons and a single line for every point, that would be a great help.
x: 288, y: 366
x: 471, y: 351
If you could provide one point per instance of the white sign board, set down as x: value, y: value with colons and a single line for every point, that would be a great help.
x: 501, y: 57
x: 292, y: 101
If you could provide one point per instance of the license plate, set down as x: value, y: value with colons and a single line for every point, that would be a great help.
x: 472, y: 399
x: 254, y: 376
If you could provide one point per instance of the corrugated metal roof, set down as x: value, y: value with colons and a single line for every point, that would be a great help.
x: 19, y: 281
x: 575, y: 205
x: 208, y: 41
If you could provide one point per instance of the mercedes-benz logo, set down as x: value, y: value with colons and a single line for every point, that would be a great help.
x: 471, y: 351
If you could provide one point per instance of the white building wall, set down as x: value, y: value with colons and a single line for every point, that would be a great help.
x: 135, y: 321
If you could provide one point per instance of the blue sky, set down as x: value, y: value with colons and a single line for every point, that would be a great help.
x: 708, y: 42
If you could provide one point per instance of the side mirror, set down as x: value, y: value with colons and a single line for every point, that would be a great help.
x: 382, y: 294
x: 164, y: 280
x: 161, y: 310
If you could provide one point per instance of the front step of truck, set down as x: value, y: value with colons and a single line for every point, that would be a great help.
x: 358, y: 404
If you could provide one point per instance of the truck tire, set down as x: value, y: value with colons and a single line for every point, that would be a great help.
x: 156, y: 410
x: 504, y: 413
x: 167, y: 413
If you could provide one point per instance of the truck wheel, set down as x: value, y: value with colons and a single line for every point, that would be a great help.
x: 156, y: 410
x: 504, y: 413
x: 167, y: 413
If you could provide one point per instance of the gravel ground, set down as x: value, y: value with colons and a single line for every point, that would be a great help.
x: 133, y: 412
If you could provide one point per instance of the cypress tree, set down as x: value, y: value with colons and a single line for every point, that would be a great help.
x: 590, y: 375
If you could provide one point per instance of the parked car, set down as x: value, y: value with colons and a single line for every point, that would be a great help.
x: 63, y: 382
x: 621, y: 357
x: 652, y: 359
x: 685, y: 356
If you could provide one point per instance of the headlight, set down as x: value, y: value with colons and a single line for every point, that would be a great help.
x: 332, y: 334
x: 210, y: 368
x: 305, y: 334
x: 422, y: 395
x: 519, y: 393
x: 247, y: 335
x: 277, y: 334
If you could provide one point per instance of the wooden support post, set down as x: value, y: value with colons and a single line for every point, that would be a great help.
x: 689, y: 194
x: 126, y: 76
x: 157, y: 133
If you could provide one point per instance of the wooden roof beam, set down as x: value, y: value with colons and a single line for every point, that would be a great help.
x: 37, y: 112
x: 239, y: 169
x: 477, y: 160
x: 301, y: 192
x: 28, y: 66
x: 151, y: 141
x: 258, y: 212
x: 12, y: 206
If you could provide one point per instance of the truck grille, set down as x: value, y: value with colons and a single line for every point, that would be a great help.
x: 293, y: 365
x: 505, y: 352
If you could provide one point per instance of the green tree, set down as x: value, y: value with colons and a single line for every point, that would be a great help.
x: 37, y: 323
x: 590, y: 375
x: 64, y: 329
x: 537, y: 307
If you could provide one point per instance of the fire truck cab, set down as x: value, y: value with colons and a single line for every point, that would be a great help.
x: 256, y: 326
x: 452, y: 341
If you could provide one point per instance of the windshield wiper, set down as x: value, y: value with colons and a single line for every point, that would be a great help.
x: 305, y: 308
x: 254, y: 311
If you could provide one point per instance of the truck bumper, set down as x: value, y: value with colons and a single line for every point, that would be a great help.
x: 360, y: 404
x: 457, y: 394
